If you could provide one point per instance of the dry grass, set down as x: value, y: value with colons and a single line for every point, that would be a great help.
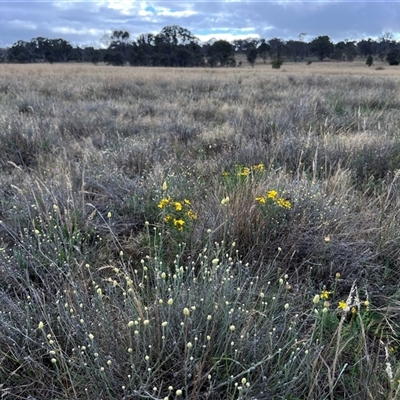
x: 88, y: 155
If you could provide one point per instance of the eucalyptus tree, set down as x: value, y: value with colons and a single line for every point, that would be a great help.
x: 322, y: 47
x: 23, y: 52
x: 173, y: 46
x: 221, y: 53
x: 263, y: 49
x: 4, y: 54
x: 251, y: 55
x: 296, y: 49
x: 367, y: 47
x: 277, y: 48
x: 175, y: 35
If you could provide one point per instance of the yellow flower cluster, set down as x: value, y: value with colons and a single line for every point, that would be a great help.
x: 246, y: 170
x: 325, y: 294
x: 176, y: 213
x: 272, y: 197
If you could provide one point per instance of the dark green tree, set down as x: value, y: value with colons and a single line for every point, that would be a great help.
x: 175, y: 35
x: 183, y: 56
x: 385, y: 45
x: 350, y: 50
x: 393, y: 57
x: 43, y: 47
x: 277, y: 48
x: 142, y: 55
x: 118, y: 48
x: 367, y: 47
x: 251, y: 55
x: 115, y: 59
x: 23, y: 52
x: 277, y: 63
x: 249, y: 44
x: 369, y: 61
x: 322, y: 47
x: 174, y: 46
x: 345, y: 50
x: 263, y: 50
x: 239, y: 45
x: 95, y: 58
x: 146, y: 38
x: 60, y: 49
x: 4, y: 54
x: 87, y: 53
x: 296, y: 49
x: 196, y: 55
x: 221, y: 53
x: 338, y: 51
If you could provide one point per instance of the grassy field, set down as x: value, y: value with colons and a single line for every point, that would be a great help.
x: 198, y: 233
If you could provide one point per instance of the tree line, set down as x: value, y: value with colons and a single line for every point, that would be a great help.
x: 175, y: 46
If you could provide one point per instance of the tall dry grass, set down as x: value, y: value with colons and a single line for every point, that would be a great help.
x: 111, y: 288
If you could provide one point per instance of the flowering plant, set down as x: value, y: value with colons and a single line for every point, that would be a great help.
x: 271, y: 197
x: 175, y: 213
x: 244, y: 171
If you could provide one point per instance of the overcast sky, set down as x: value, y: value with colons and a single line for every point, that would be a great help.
x: 85, y: 22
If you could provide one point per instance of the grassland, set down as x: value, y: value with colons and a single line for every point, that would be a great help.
x: 198, y: 233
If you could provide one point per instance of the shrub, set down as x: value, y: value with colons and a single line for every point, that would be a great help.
x: 277, y: 63
x: 393, y: 57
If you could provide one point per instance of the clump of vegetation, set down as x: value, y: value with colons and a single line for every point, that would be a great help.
x: 393, y: 57
x: 219, y: 237
x: 277, y: 63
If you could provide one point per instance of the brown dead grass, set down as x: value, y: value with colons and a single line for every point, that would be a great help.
x: 82, y: 141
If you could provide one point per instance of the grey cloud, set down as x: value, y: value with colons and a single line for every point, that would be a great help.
x: 287, y: 19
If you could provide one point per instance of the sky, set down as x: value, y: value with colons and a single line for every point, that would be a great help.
x: 89, y: 23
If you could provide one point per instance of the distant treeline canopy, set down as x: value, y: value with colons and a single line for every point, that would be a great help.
x: 175, y: 46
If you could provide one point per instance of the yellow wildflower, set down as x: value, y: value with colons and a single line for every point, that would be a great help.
x: 259, y: 167
x: 244, y: 172
x: 164, y: 202
x: 178, y: 223
x: 178, y: 206
x: 284, y: 203
x: 186, y: 201
x: 167, y: 218
x: 325, y: 294
x: 191, y: 214
x: 272, y: 194
x: 261, y: 200
x: 343, y: 305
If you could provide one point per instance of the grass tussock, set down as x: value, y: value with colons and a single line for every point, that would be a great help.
x: 199, y: 234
